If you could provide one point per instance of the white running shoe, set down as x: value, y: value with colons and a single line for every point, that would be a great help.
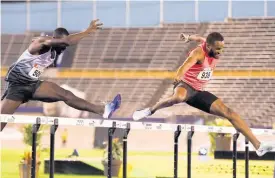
x: 265, y: 147
x: 141, y: 114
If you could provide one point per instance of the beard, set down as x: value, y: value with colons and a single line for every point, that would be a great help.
x: 211, y: 53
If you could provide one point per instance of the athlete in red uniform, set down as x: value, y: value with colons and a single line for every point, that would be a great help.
x: 190, y: 81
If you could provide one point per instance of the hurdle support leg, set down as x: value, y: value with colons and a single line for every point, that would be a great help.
x: 52, y: 145
x: 246, y: 158
x: 3, y: 125
x: 111, y: 132
x: 176, y: 146
x: 35, y: 129
x: 189, y: 151
x: 234, y: 156
x: 125, y: 136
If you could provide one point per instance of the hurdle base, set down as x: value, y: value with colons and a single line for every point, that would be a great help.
x: 72, y: 167
x: 241, y: 155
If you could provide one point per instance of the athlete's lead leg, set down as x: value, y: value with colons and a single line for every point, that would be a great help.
x: 51, y: 92
x: 220, y: 109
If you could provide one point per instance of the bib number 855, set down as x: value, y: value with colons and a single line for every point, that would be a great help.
x: 36, y: 73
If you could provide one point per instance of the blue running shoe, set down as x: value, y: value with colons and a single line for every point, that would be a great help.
x: 111, y: 107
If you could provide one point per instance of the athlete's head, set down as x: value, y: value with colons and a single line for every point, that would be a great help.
x: 60, y: 33
x: 214, y: 44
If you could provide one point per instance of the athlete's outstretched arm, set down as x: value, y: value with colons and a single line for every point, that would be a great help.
x: 72, y: 39
x: 75, y: 38
x: 186, y: 38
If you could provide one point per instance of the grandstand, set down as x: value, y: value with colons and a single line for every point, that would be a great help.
x: 250, y: 45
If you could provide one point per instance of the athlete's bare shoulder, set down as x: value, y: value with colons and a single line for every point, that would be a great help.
x: 198, y: 54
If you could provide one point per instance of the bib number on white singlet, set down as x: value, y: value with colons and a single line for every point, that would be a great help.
x: 36, y: 72
x: 206, y: 74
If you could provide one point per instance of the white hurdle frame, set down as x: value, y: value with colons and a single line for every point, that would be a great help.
x: 127, y: 125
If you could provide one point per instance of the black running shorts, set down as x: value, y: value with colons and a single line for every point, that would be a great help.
x: 20, y: 92
x: 199, y: 99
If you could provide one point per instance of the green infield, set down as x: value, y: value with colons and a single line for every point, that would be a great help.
x: 143, y: 164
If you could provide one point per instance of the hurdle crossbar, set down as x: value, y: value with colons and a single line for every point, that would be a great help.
x: 44, y: 120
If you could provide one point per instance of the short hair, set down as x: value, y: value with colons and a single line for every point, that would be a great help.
x: 61, y: 31
x: 214, y: 36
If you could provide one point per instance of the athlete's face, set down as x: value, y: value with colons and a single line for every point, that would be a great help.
x: 216, y: 49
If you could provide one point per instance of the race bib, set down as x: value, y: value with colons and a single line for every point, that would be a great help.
x: 206, y: 74
x: 36, y: 71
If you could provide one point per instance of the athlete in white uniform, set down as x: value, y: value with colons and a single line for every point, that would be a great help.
x: 23, y: 82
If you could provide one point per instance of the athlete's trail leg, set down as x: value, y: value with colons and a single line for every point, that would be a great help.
x: 179, y: 96
x: 51, y: 92
x: 220, y: 109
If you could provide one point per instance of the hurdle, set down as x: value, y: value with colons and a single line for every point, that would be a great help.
x: 246, y: 158
x: 112, y: 125
x: 52, y: 146
x: 125, y: 136
x: 234, y: 156
x: 176, y: 146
